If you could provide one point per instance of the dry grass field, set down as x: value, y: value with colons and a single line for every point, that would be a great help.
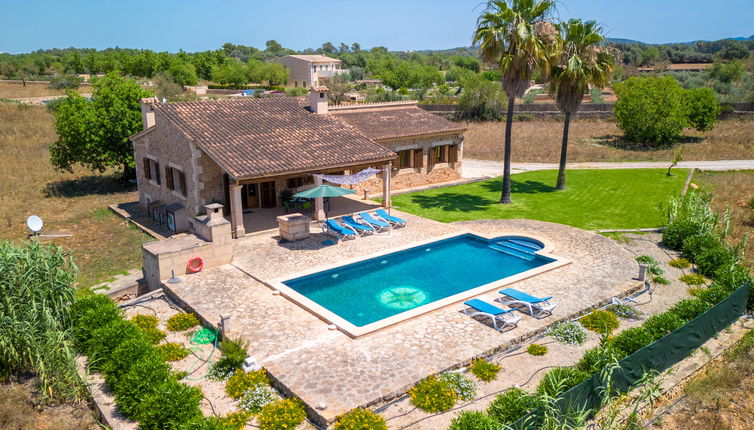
x: 600, y: 140
x: 102, y: 244
x: 10, y: 90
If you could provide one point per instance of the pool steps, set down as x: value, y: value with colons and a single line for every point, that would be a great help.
x: 506, y: 248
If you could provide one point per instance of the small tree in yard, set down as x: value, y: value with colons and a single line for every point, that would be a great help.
x: 339, y: 85
x: 703, y: 108
x: 481, y: 100
x: 651, y: 110
x: 95, y: 133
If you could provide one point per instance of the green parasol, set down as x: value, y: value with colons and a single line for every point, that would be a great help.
x: 324, y: 191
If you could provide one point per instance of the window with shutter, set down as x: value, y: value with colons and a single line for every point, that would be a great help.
x: 169, y: 178
x: 182, y: 180
x: 452, y: 153
x: 147, y: 171
x: 418, y: 158
x: 157, y: 172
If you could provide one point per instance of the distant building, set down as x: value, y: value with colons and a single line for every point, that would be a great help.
x: 684, y: 67
x: 310, y: 70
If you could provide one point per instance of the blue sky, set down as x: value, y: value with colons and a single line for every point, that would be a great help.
x: 398, y: 24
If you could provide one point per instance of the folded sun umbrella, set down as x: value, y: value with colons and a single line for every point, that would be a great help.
x: 324, y: 191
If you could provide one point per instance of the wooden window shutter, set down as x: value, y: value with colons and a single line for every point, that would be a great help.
x: 157, y: 173
x: 169, y: 178
x: 182, y: 179
x: 147, y: 170
x: 418, y: 158
x: 452, y: 153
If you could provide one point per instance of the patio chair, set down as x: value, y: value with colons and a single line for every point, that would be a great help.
x: 505, y: 317
x: 338, y: 230
x: 379, y: 225
x: 395, y: 221
x: 360, y: 228
x: 538, y: 306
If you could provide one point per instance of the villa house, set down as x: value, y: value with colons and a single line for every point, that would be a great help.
x: 243, y: 153
x: 310, y: 70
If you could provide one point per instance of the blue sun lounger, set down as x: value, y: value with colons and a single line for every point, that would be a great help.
x: 359, y: 227
x: 379, y: 225
x: 339, y: 231
x: 503, y: 316
x: 537, y: 305
x: 395, y: 221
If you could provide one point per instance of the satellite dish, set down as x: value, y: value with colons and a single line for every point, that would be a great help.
x: 34, y: 223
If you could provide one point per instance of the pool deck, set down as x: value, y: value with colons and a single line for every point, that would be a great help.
x: 334, y: 373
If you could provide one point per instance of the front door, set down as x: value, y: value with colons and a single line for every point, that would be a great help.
x: 250, y: 194
x: 267, y: 195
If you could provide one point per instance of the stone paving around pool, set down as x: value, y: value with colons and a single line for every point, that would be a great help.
x: 334, y: 373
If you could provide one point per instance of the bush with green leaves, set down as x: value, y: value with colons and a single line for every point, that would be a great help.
x: 433, y: 395
x: 662, y: 324
x: 90, y: 313
x: 688, y: 216
x: 484, y: 370
x: 360, y: 419
x: 568, y: 332
x: 512, y: 405
x: 651, y: 110
x: 711, y: 295
x: 241, y: 381
x: 703, y: 108
x: 632, y: 340
x: 595, y: 359
x: 561, y: 379
x: 602, y: 322
x: 65, y: 82
x: 182, y: 321
x: 461, y: 384
x: 695, y: 244
x: 693, y: 279
x: 145, y: 375
x: 680, y: 263
x: 172, y: 351
x: 256, y: 397
x: 711, y: 259
x: 124, y: 356
x: 624, y: 312
x: 234, y: 354
x: 472, y: 420
x: 170, y: 405
x: 106, y: 339
x: 536, y: 349
x: 689, y: 309
x: 282, y: 415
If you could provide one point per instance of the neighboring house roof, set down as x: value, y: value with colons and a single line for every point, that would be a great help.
x: 251, y: 137
x: 314, y: 58
x: 395, y: 122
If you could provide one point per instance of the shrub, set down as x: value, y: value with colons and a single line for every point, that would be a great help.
x: 360, y: 419
x: 433, y: 395
x: 464, y: 387
x: 472, y: 420
x: 568, y: 332
x: 632, y: 340
x: 732, y: 276
x: 282, y: 414
x: 624, y: 312
x: 661, y: 324
x: 660, y: 280
x: 602, y: 322
x: 241, y: 381
x: 146, y: 375
x: 170, y: 405
x: 677, y: 231
x: 65, y: 82
x: 123, y: 358
x: 597, y: 358
x: 181, y: 322
x: 211, y: 423
x: 234, y: 354
x: 145, y: 321
x: 712, y: 295
x: 104, y: 340
x: 172, y: 351
x: 512, y: 405
x: 651, y: 110
x: 484, y: 370
x: 153, y: 335
x: 680, y: 263
x: 693, y: 279
x: 703, y: 108
x: 236, y: 420
x: 90, y: 313
x: 536, y: 349
x: 689, y: 309
x: 256, y: 397
x: 561, y: 379
x: 709, y: 260
x: 695, y: 244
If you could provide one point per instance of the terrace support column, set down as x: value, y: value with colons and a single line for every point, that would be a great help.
x: 386, y: 172
x: 236, y: 211
x: 319, y: 207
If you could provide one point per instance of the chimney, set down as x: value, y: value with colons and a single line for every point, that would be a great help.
x: 318, y: 98
x: 147, y: 112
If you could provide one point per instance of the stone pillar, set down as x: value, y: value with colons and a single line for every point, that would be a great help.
x: 386, y: 172
x: 236, y: 211
x: 319, y: 206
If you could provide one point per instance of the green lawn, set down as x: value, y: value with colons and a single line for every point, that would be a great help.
x: 593, y: 199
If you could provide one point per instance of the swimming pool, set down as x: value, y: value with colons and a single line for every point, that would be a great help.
x: 369, y: 294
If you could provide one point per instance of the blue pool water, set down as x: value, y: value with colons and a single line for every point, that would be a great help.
x: 374, y: 289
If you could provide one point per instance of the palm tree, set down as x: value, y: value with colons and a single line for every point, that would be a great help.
x: 516, y: 36
x: 581, y: 62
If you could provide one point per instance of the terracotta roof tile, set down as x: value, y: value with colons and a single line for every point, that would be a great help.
x: 259, y: 137
x: 395, y: 122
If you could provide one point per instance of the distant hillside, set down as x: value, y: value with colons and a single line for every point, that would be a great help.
x: 743, y: 39
x: 624, y: 41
